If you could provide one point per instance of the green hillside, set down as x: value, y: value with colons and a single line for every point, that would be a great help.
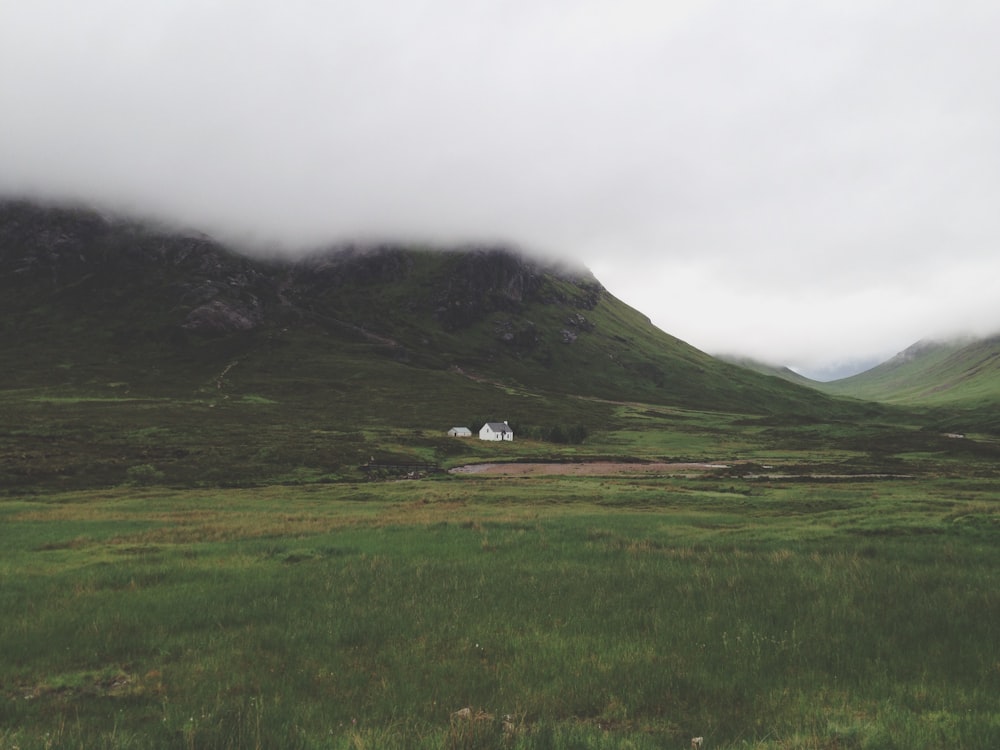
x: 957, y: 373
x: 118, y: 307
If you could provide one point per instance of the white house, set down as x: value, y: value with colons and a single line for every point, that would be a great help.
x: 460, y: 432
x: 496, y: 431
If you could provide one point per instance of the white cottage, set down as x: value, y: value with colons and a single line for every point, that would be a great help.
x: 496, y: 431
x: 460, y: 432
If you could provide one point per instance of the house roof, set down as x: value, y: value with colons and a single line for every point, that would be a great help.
x: 499, y: 426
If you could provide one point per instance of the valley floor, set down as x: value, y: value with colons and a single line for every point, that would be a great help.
x: 587, y: 612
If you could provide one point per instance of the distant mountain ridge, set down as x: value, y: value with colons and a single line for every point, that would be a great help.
x: 958, y: 372
x: 785, y: 373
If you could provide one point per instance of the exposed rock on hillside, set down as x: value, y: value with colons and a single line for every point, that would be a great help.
x: 103, y: 261
x: 199, y: 285
x: 222, y: 317
x: 348, y: 266
x: 485, y: 281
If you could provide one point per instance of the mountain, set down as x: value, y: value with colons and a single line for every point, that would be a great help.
x: 95, y: 297
x: 764, y: 368
x: 126, y: 347
x: 963, y: 372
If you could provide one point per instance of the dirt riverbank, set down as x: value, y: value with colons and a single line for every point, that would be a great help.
x: 591, y: 468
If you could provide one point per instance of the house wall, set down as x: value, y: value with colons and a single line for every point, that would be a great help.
x: 487, y: 434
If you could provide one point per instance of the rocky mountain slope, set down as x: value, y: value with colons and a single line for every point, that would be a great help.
x: 91, y: 299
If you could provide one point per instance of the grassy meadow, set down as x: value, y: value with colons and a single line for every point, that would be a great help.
x: 564, y: 612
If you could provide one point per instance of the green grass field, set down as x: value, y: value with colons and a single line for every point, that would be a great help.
x: 565, y: 612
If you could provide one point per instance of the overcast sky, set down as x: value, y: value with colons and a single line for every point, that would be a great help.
x: 811, y: 183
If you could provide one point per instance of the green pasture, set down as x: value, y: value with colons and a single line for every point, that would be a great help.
x: 247, y: 434
x: 589, y: 612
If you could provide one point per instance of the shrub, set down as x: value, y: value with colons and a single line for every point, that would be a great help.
x: 143, y: 474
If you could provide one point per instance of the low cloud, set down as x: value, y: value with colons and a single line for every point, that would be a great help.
x: 807, y: 183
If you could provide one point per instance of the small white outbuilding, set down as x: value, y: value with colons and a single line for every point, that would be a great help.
x: 496, y: 431
x: 460, y: 432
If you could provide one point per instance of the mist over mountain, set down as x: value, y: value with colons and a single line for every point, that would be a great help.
x: 817, y: 374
